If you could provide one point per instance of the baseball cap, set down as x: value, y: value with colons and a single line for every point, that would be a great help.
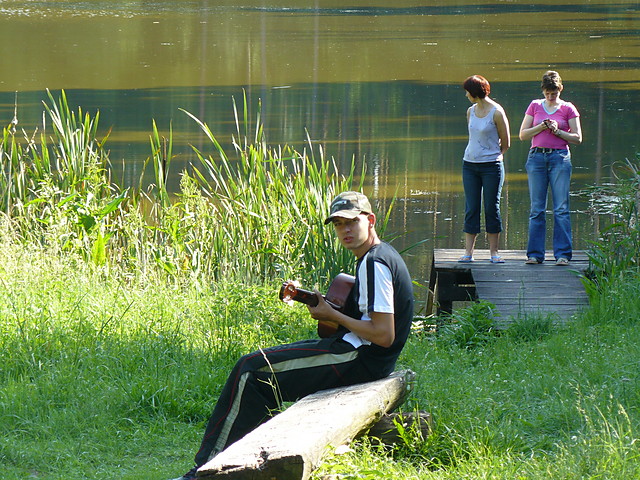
x: 348, y: 205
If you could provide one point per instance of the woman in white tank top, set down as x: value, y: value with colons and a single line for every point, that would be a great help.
x: 483, y: 168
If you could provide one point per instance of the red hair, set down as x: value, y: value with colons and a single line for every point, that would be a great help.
x: 477, y: 86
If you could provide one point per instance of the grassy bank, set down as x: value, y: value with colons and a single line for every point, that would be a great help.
x: 562, y: 406
x: 102, y: 379
x: 123, y: 309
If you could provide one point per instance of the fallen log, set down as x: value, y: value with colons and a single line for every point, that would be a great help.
x: 291, y: 445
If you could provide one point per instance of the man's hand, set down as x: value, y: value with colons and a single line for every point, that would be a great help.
x: 323, y: 311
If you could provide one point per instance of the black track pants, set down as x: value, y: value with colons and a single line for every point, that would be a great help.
x: 287, y: 373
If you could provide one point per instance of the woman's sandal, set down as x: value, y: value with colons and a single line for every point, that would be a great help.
x: 465, y: 259
x: 496, y: 259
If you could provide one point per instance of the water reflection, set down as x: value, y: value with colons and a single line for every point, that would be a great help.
x: 376, y: 80
x: 149, y: 44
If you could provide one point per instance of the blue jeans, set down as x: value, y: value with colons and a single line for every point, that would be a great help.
x: 546, y: 170
x: 482, y: 182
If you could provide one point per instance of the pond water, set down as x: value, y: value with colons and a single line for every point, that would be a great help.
x: 378, y: 81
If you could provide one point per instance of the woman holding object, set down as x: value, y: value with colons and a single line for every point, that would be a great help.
x: 551, y: 124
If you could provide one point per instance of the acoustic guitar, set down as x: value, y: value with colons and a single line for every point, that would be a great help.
x: 336, y: 296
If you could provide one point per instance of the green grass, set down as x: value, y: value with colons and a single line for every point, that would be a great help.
x: 252, y: 213
x: 564, y: 407
x: 103, y: 379
x: 100, y: 378
x: 122, y: 311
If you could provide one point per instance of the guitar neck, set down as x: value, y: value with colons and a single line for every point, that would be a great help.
x: 336, y: 296
x: 306, y: 297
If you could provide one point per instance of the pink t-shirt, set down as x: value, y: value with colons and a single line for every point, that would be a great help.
x: 562, y: 115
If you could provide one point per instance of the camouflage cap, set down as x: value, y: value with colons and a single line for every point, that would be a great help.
x: 348, y: 205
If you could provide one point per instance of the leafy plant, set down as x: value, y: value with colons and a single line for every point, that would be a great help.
x: 531, y: 328
x: 469, y: 327
x: 617, y: 252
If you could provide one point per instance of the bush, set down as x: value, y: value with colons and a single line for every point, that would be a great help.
x: 469, y: 327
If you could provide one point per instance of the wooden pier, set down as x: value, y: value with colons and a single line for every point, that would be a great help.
x: 516, y: 289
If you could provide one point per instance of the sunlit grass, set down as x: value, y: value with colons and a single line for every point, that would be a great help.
x: 120, y: 378
x: 564, y: 406
x: 90, y: 364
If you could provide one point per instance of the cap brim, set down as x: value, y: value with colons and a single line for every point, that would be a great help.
x: 343, y: 214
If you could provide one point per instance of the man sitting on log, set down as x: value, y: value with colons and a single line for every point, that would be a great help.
x: 372, y: 329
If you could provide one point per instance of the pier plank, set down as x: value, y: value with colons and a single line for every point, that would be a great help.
x: 516, y: 289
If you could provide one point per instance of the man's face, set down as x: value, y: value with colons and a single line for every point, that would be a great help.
x: 353, y: 233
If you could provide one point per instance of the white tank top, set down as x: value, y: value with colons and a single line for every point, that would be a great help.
x: 484, y: 141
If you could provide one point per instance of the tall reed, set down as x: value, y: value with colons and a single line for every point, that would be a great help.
x: 250, y: 215
x: 271, y: 203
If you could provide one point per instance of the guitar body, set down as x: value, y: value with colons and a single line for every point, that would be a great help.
x: 336, y: 297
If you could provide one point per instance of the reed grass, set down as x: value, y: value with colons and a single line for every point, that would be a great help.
x: 248, y: 215
x: 617, y: 252
x: 272, y: 202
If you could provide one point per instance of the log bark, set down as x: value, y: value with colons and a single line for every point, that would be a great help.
x: 291, y: 445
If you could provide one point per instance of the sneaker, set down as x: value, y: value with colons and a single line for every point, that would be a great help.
x: 190, y: 475
x: 562, y: 262
x: 532, y: 261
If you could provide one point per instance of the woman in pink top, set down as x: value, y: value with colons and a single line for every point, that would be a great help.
x: 551, y: 124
